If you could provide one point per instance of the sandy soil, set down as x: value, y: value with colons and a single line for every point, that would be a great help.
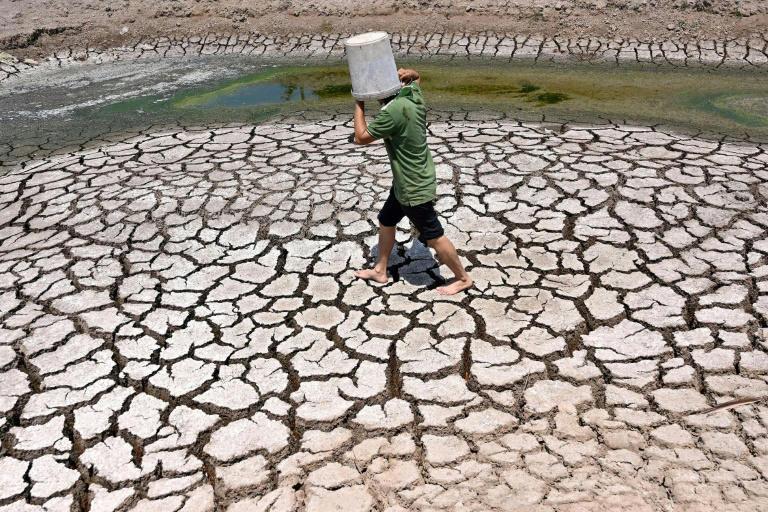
x: 36, y: 27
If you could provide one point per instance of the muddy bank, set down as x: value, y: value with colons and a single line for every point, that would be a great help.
x: 36, y: 28
x: 742, y: 53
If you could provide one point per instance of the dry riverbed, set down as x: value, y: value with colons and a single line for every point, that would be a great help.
x: 182, y: 331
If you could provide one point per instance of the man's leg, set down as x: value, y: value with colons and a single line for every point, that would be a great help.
x: 391, y: 213
x: 431, y: 232
x: 386, y: 242
x: 446, y: 254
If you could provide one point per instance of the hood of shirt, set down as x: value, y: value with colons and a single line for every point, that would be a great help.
x: 412, y: 92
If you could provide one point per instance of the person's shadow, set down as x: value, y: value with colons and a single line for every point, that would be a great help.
x: 415, y: 264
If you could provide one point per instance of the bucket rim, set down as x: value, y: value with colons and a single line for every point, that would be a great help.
x: 379, y: 35
x: 378, y: 95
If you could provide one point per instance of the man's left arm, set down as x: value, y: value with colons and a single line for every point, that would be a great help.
x: 361, y: 127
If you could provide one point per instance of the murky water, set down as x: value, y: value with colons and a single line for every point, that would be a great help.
x: 79, y: 103
x: 725, y: 102
x: 718, y: 101
x: 261, y: 94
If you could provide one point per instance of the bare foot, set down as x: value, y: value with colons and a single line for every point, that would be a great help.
x: 455, y: 287
x: 371, y: 274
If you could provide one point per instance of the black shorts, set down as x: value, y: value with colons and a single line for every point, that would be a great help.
x: 423, y: 216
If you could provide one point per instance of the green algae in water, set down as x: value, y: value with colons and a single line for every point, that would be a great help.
x: 334, y: 91
x: 274, y: 86
x: 262, y: 94
x: 747, y: 110
x: 550, y: 98
x: 718, y: 101
x: 470, y: 90
x: 480, y: 86
x: 279, y: 86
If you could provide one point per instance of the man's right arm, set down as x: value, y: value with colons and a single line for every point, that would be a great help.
x: 382, y: 126
x: 361, y: 127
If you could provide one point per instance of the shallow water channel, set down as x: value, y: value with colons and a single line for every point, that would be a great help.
x: 65, y: 106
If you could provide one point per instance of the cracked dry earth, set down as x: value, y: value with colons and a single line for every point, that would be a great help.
x: 747, y: 53
x: 181, y: 330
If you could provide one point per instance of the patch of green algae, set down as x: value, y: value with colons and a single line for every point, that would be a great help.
x: 716, y: 101
x: 746, y: 109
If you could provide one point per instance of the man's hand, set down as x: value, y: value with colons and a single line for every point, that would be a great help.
x: 407, y: 76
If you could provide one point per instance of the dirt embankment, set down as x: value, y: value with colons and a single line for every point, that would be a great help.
x: 33, y: 28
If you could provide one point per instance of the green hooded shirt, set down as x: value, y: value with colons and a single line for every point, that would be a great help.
x: 402, y: 123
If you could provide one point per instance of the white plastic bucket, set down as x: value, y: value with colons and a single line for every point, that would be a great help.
x: 371, y: 66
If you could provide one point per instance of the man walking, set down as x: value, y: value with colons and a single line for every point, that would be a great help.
x: 402, y: 123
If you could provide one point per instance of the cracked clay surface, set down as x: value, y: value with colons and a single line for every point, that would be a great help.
x: 745, y: 53
x: 180, y: 329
